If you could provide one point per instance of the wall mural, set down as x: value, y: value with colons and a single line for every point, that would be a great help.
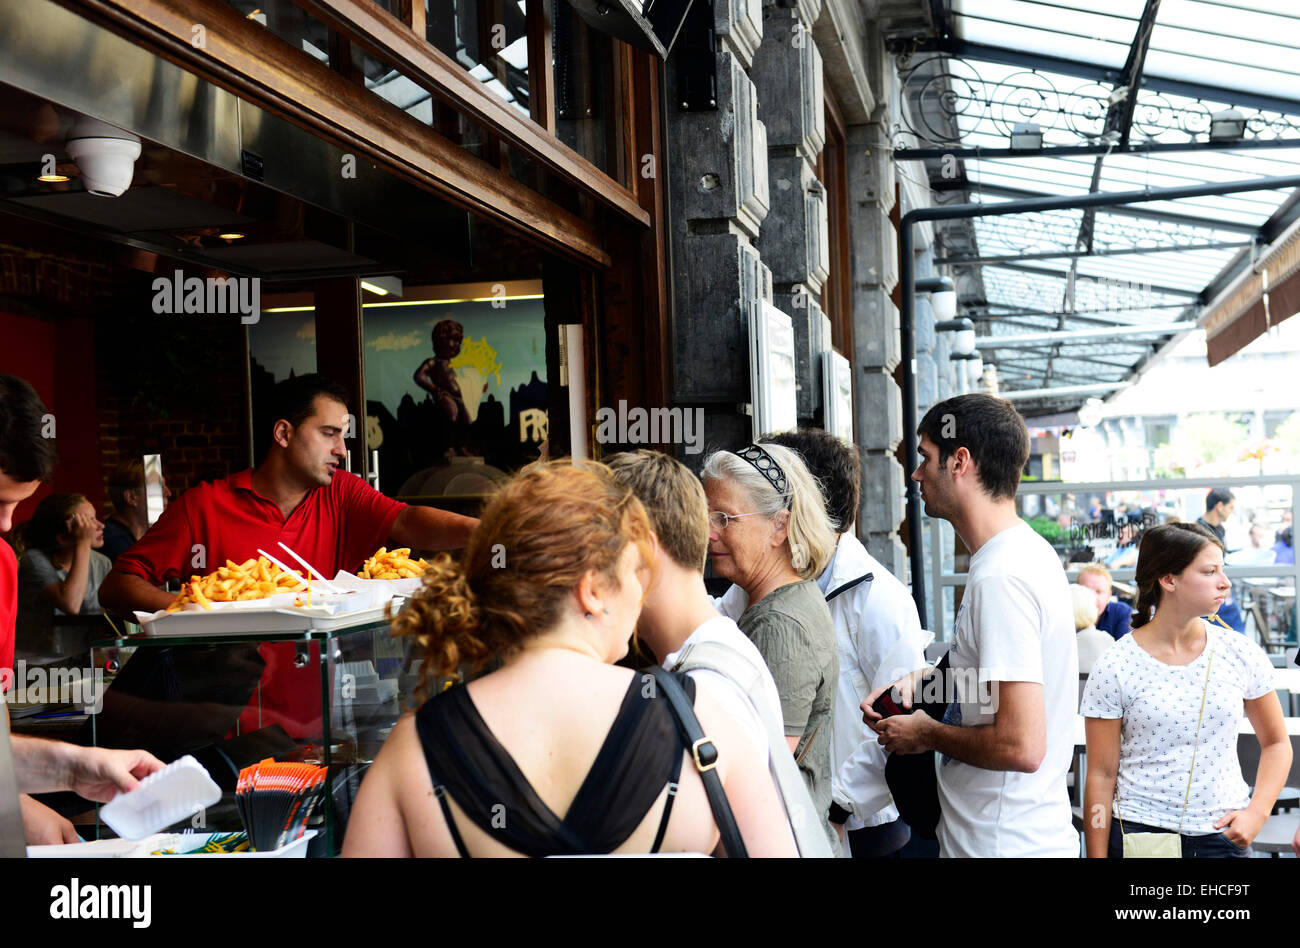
x: 456, y: 392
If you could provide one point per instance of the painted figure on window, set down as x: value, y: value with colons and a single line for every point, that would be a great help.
x: 438, y: 378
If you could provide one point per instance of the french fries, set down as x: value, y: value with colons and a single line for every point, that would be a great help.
x: 237, y: 582
x: 393, y: 564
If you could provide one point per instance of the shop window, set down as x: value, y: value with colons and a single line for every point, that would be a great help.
x: 419, y: 103
x: 289, y: 22
x: 490, y: 39
x: 455, y: 378
x: 588, y: 82
x: 456, y: 386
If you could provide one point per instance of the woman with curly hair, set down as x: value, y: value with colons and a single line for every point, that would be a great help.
x: 558, y: 751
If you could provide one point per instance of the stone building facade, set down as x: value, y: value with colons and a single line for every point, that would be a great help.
x: 750, y: 201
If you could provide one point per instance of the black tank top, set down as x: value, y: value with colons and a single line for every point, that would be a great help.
x: 642, y: 751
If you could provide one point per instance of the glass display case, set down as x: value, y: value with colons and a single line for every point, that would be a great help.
x: 325, y: 697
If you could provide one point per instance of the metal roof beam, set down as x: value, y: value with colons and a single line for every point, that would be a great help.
x: 1119, y: 117
x: 1065, y: 254
x: 1072, y: 336
x: 1061, y: 275
x: 1042, y: 351
x: 1121, y: 366
x: 1017, y: 194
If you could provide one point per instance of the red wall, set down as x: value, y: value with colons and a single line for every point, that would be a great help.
x: 58, y: 359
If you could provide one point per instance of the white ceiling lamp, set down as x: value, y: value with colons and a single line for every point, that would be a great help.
x: 943, y: 296
x: 105, y: 155
x: 963, y: 339
x: 1090, y: 413
x: 1027, y: 136
x: 1227, y: 126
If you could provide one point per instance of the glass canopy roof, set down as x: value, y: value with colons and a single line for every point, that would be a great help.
x: 1065, y: 70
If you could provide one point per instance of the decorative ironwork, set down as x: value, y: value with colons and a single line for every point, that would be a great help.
x: 948, y: 98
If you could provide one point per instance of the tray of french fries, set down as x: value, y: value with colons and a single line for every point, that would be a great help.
x: 396, y: 567
x: 259, y: 596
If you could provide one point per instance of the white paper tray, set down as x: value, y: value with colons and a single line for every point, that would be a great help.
x: 256, y: 621
x: 365, y: 603
x: 125, y: 848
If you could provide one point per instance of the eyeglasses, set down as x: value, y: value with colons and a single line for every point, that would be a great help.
x: 720, y: 521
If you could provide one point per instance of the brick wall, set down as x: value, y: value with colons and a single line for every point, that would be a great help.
x: 180, y: 395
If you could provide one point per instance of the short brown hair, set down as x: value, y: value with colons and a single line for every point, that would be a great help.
x: 673, y: 498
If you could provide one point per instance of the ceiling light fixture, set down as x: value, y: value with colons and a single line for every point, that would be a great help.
x: 943, y: 296
x: 383, y: 285
x: 1227, y: 126
x: 1027, y: 136
x: 232, y: 235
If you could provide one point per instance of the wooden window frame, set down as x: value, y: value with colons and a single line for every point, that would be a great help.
x: 395, y: 42
x: 837, y: 291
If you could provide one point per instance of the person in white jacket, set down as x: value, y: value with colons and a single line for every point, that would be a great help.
x: 880, y: 639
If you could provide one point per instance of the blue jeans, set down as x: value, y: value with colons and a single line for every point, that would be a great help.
x: 1212, y: 846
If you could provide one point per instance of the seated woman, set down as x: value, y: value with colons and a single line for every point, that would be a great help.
x: 1162, y: 707
x: 559, y: 751
x: 770, y: 535
x: 60, y: 570
x: 1090, y: 639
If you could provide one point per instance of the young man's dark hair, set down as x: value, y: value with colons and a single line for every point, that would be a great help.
x: 25, y: 454
x: 293, y: 399
x: 990, y: 429
x: 1220, y: 495
x: 835, y: 463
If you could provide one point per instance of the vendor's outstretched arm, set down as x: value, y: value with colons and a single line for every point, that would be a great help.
x: 428, y: 528
x: 124, y: 593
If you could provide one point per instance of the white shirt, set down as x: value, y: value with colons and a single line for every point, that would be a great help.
x: 1016, y: 624
x: 1158, y: 706
x: 722, y: 689
x: 1091, y: 642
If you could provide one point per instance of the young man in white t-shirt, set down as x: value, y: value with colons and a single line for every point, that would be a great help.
x: 1005, y: 745
x: 678, y: 619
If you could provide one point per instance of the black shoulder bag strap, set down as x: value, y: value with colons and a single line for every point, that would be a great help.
x: 705, y: 754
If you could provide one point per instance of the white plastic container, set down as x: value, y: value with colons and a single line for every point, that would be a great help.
x: 175, y: 793
x: 127, y: 849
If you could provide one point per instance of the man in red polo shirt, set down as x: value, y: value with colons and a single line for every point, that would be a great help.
x: 297, y: 495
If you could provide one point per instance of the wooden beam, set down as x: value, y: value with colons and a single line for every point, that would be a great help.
x: 382, y: 34
x: 541, y: 85
x: 244, y: 58
x: 340, y: 354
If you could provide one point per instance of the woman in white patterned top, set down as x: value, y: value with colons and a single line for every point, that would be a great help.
x: 1162, y: 708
